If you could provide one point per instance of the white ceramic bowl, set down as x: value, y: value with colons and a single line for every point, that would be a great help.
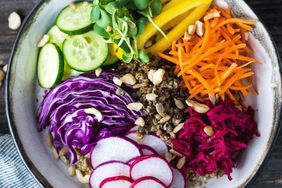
x: 21, y: 99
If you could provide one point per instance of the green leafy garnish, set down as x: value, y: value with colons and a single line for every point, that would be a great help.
x: 121, y: 21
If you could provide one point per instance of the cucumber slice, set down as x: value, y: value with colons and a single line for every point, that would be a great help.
x: 110, y: 60
x: 50, y: 66
x: 57, y: 36
x: 85, y: 52
x: 75, y: 20
x: 69, y: 72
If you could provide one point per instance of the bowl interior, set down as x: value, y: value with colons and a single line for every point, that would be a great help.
x: 24, y: 95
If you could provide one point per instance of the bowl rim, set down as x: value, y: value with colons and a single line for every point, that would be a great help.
x: 40, y: 179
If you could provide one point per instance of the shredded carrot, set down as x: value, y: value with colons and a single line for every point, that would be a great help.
x: 217, y: 62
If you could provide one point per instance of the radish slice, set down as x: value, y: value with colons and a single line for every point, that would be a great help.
x: 130, y: 162
x: 153, y: 166
x: 148, y: 182
x: 152, y: 141
x: 133, y: 129
x: 116, y: 182
x: 114, y: 148
x: 107, y: 170
x: 147, y: 150
x: 178, y: 179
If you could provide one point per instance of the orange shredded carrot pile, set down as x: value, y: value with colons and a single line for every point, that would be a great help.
x: 217, y: 63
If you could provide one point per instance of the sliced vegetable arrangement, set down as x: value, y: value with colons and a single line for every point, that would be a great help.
x: 147, y: 93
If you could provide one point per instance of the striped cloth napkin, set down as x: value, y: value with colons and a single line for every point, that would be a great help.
x: 13, y: 173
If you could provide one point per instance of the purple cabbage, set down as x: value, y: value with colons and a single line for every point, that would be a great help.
x: 63, y: 112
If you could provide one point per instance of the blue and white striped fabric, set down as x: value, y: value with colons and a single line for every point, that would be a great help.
x: 13, y: 173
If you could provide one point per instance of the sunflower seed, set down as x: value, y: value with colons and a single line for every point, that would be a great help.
x: 49, y: 140
x: 211, y: 15
x: 82, y: 179
x: 117, y: 81
x: 169, y: 157
x: 179, y: 104
x: 98, y: 71
x: 160, y: 109
x: 14, y: 21
x: 55, y: 153
x: 95, y: 112
x: 5, y: 68
x: 44, y: 40
x: 120, y: 92
x: 181, y: 162
x: 199, y: 29
x: 172, y: 135
x: 151, y: 97
x: 191, y: 29
x: 128, y: 79
x: 209, y: 130
x: 198, y: 107
x: 63, y: 151
x: 72, y: 170
x: 165, y: 119
x: 158, y: 76
x: 186, y: 36
x: 175, y: 153
x: 212, y: 99
x: 151, y: 75
x: 140, y: 122
x: 178, y: 128
x: 136, y: 106
x: 2, y: 75
x: 64, y: 159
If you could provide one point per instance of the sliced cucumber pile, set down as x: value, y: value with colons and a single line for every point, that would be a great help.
x: 50, y: 66
x: 73, y: 47
x: 85, y: 52
x: 57, y: 36
x: 75, y: 19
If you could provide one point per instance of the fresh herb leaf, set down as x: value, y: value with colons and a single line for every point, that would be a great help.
x: 101, y: 31
x: 104, y: 20
x: 111, y: 8
x: 143, y: 57
x: 141, y: 23
x: 95, y: 13
x: 156, y: 7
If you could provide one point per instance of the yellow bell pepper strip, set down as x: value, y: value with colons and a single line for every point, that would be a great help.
x: 164, y: 1
x: 118, y: 52
x: 178, y: 31
x: 176, y: 20
x: 171, y: 4
x: 167, y: 16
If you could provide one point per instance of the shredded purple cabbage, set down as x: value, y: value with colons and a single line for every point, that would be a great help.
x: 63, y: 112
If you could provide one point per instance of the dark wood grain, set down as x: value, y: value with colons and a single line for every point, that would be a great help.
x: 270, y: 11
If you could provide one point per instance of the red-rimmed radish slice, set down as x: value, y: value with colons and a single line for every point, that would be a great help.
x: 147, y: 150
x: 108, y: 170
x: 114, y: 148
x: 179, y: 180
x: 116, y: 182
x: 152, y: 141
x: 133, y: 129
x: 148, y: 182
x: 153, y: 166
x: 130, y: 162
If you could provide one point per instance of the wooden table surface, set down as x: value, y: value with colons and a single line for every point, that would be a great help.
x: 270, y: 11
